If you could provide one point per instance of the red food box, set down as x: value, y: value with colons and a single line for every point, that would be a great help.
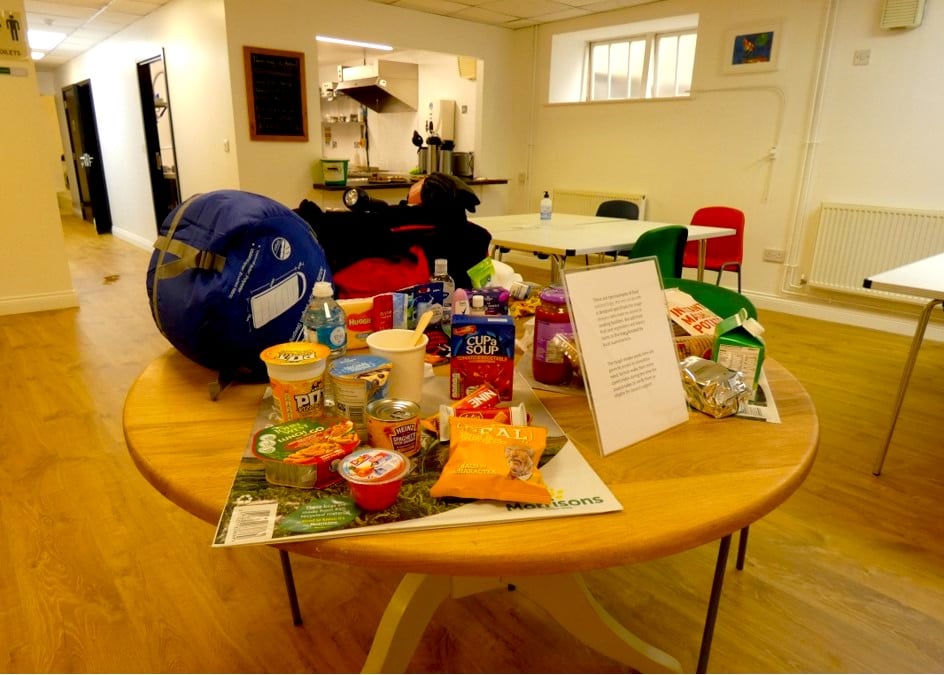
x: 483, y: 352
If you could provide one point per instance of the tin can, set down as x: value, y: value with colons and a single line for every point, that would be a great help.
x: 358, y: 380
x: 394, y: 424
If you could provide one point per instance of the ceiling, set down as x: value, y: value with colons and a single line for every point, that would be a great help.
x: 88, y: 22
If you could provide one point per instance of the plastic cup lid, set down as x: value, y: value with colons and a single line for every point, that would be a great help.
x: 373, y: 466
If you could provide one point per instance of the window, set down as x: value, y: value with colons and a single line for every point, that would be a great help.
x: 648, y: 66
x: 645, y: 59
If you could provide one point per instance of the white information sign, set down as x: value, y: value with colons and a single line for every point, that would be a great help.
x: 627, y: 353
x: 13, y: 35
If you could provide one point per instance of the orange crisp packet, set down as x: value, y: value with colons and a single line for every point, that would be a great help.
x: 488, y: 460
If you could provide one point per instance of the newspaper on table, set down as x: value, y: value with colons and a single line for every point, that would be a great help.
x: 761, y: 405
x: 257, y: 512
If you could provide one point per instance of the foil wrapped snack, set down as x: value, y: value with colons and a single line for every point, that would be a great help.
x: 712, y: 388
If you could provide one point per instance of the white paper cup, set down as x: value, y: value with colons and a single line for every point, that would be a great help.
x: 406, y: 375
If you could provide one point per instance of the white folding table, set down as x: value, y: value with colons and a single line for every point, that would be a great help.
x: 570, y: 234
x: 923, y: 278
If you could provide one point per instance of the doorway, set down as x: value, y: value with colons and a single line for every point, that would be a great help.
x: 159, y: 136
x: 86, y: 155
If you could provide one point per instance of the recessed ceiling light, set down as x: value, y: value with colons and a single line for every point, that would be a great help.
x: 353, y: 43
x: 44, y: 39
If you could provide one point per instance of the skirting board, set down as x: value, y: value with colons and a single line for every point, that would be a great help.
x: 898, y: 325
x: 134, y: 239
x: 895, y: 324
x: 42, y: 302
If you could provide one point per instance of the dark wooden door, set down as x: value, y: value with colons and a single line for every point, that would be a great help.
x: 86, y: 155
x: 158, y: 136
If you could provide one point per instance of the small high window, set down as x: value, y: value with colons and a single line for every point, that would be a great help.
x: 649, y: 59
x: 649, y: 66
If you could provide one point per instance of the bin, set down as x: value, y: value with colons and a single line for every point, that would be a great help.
x: 335, y: 171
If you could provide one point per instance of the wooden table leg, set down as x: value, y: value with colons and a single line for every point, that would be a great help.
x: 404, y: 621
x: 565, y: 597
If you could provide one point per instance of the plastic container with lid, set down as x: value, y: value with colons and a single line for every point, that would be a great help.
x: 296, y: 374
x: 374, y: 476
x: 549, y: 364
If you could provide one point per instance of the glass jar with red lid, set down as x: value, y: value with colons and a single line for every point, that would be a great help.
x: 549, y: 364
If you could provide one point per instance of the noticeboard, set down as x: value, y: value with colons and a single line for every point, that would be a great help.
x: 275, y: 89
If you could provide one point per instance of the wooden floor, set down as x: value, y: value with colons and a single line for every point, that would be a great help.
x: 99, y: 573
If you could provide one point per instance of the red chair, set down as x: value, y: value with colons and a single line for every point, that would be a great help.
x: 722, y: 253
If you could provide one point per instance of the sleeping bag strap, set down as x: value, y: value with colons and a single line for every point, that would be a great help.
x: 188, y: 257
x: 164, y: 246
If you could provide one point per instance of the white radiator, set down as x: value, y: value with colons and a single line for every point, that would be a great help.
x: 855, y: 241
x: 584, y: 202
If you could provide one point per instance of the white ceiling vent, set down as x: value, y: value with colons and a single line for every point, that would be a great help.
x: 902, y: 13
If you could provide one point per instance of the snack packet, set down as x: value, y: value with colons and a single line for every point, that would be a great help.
x: 488, y: 460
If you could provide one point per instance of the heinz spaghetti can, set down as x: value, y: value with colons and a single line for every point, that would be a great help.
x: 394, y: 424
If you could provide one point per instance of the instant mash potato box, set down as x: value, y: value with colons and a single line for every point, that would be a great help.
x: 483, y: 352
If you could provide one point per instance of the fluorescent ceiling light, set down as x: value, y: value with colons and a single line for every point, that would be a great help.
x: 37, y: 55
x: 353, y: 43
x: 44, y: 39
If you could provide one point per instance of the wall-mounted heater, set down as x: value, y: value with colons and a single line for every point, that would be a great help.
x: 902, y: 14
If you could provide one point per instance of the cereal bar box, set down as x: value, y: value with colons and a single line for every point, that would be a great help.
x: 483, y: 352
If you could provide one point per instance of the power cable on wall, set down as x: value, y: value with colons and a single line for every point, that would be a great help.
x: 778, y: 125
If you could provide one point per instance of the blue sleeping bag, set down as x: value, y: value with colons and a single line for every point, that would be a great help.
x: 231, y: 274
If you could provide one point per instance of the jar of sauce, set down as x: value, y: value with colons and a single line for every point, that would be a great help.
x: 549, y: 364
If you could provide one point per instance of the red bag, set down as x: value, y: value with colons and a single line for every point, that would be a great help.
x: 369, y: 276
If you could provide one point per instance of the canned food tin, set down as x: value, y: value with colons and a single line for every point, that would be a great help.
x: 394, y: 424
x: 358, y: 380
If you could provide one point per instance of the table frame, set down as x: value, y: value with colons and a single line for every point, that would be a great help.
x: 171, y: 392
x: 574, y: 235
x: 922, y: 278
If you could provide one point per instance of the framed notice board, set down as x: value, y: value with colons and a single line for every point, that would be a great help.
x: 275, y: 89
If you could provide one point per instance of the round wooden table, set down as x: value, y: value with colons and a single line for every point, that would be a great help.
x: 690, y: 485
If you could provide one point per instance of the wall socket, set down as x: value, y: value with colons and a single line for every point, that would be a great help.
x: 775, y: 255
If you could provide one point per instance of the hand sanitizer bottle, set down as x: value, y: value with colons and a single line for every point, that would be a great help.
x: 546, y: 209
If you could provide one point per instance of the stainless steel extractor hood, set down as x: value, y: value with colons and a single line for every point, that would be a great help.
x: 390, y: 86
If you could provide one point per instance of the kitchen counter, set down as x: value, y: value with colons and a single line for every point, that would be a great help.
x: 390, y: 185
x: 392, y: 192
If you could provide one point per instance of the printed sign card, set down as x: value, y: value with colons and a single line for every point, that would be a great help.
x: 626, y: 351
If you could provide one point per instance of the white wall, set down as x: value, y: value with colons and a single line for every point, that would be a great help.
x: 283, y: 170
x: 871, y: 135
x: 192, y: 33
x: 876, y: 139
x: 34, y: 271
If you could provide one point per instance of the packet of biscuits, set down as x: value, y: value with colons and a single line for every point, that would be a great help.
x: 488, y: 460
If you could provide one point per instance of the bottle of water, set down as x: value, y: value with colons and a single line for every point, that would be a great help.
x: 546, y: 209
x: 441, y: 273
x: 326, y: 323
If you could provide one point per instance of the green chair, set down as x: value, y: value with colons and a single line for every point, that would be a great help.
x: 666, y: 244
x: 722, y: 301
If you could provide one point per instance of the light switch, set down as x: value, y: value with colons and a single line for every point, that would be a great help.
x: 225, y: 145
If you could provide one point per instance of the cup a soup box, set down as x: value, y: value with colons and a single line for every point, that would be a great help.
x: 483, y: 352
